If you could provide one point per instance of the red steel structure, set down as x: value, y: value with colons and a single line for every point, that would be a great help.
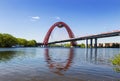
x: 59, y: 25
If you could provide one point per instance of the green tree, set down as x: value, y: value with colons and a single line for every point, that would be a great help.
x: 31, y: 43
x: 67, y: 45
x: 82, y: 45
x: 21, y: 41
x: 7, y: 40
x: 79, y: 45
x: 1, y: 38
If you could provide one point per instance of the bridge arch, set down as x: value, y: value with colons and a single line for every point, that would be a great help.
x: 59, y: 25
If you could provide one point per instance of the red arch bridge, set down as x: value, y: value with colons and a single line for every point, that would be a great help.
x: 73, y: 39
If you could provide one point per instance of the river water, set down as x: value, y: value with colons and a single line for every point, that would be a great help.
x: 58, y: 64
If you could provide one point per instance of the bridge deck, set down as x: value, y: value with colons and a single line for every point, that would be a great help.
x: 102, y: 35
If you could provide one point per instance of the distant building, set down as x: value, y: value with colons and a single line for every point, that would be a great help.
x: 100, y: 45
x: 109, y: 45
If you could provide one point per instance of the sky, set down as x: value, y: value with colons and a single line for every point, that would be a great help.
x: 31, y: 19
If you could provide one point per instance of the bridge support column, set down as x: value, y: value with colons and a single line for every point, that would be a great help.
x: 91, y: 42
x: 86, y: 43
x: 95, y: 45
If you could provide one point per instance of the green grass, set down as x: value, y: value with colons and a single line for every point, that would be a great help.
x: 116, y: 60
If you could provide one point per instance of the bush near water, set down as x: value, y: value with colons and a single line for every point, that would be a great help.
x: 7, y: 40
x: 116, y: 60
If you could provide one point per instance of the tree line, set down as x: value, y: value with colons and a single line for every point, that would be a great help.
x: 7, y: 40
x: 82, y: 45
x: 67, y: 45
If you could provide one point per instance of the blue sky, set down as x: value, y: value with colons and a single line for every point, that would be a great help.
x: 31, y: 19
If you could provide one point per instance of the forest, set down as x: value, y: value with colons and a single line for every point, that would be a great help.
x: 7, y: 40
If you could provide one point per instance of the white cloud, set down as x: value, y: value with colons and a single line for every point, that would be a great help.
x: 35, y: 18
x: 58, y: 18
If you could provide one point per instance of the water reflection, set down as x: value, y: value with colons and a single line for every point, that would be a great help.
x: 58, y: 67
x: 75, y: 64
x: 91, y: 55
x: 7, y: 55
x: 117, y: 69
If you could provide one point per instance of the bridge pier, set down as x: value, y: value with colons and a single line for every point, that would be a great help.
x: 86, y: 43
x: 91, y: 43
x: 95, y: 45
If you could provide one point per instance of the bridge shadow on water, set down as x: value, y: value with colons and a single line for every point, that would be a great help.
x: 58, y: 67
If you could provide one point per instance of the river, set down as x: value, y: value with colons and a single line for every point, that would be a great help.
x: 58, y: 64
